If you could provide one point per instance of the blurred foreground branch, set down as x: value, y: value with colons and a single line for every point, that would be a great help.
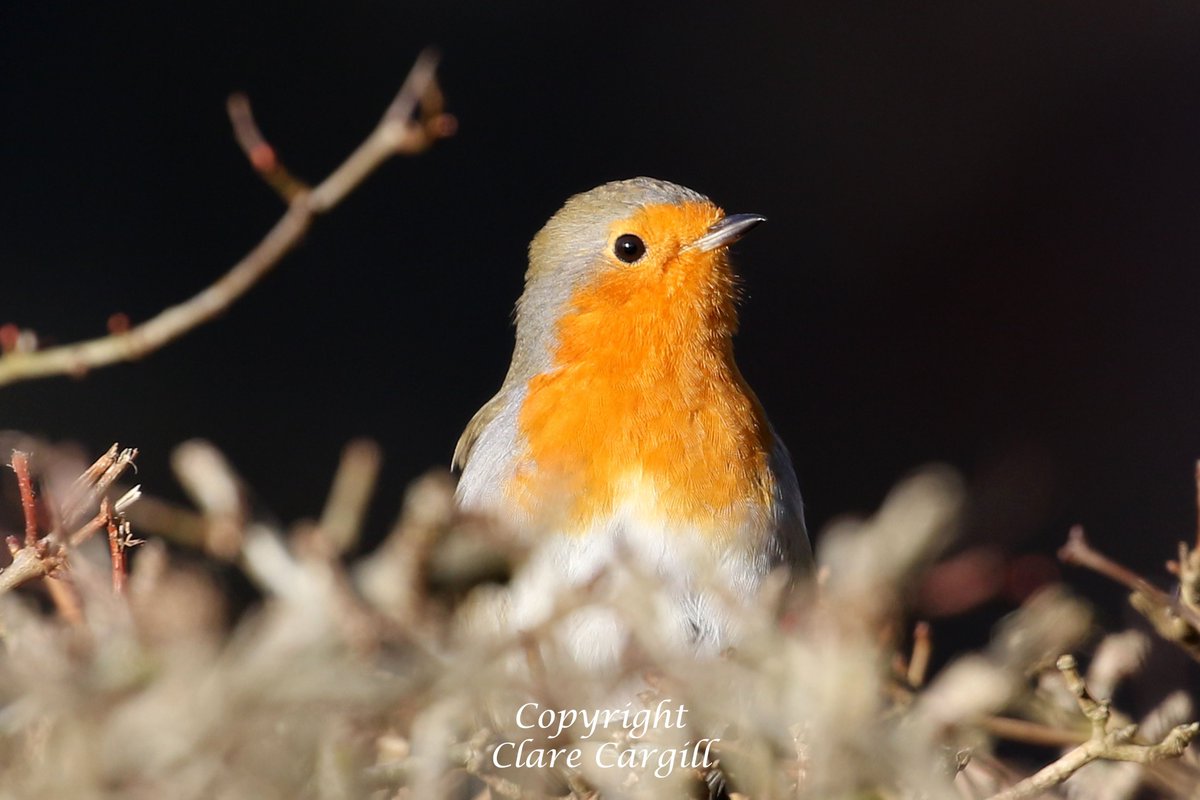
x: 411, y: 124
x: 387, y: 673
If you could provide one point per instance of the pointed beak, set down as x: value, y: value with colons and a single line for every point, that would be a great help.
x: 726, y: 231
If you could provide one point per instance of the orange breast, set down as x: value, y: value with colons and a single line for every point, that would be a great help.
x: 645, y: 406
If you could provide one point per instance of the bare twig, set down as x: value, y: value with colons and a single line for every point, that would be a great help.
x: 1078, y: 551
x: 116, y: 548
x: 20, y: 465
x: 1116, y: 745
x: 259, y: 152
x: 396, y: 133
x: 95, y: 481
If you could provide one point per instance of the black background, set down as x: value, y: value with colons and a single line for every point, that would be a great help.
x: 982, y: 247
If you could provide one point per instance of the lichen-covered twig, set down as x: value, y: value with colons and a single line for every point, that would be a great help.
x: 1115, y: 745
x: 397, y: 132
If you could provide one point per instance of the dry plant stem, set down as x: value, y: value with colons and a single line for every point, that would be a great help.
x: 92, y: 485
x: 20, y: 465
x: 1116, y: 745
x: 396, y: 133
x: 94, y: 524
x: 1078, y: 551
x: 116, y: 549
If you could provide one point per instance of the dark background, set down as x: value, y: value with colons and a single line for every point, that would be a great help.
x: 983, y: 243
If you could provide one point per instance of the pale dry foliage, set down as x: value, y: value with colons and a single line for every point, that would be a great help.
x: 370, y: 676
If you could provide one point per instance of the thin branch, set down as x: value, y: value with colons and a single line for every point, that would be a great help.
x: 396, y: 133
x: 259, y: 152
x: 20, y: 465
x: 1116, y: 745
x: 90, y: 528
x: 1078, y: 551
x: 89, y: 487
x: 92, y: 474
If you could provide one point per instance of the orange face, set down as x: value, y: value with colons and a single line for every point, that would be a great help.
x: 644, y: 411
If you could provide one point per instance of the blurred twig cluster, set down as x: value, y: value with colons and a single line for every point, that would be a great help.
x: 378, y: 676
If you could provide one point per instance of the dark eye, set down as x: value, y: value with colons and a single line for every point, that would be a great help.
x: 629, y: 248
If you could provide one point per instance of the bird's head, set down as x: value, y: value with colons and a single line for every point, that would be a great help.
x: 634, y: 261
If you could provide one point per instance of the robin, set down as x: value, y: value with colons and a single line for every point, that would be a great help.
x: 624, y: 432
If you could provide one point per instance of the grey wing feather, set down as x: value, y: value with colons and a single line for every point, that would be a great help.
x: 462, y: 450
x: 791, y: 533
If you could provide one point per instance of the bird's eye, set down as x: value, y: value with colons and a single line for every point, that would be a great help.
x: 629, y: 248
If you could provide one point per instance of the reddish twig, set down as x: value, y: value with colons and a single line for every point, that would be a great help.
x: 94, y: 524
x: 397, y: 132
x: 20, y: 465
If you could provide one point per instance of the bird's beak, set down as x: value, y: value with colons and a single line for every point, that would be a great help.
x: 726, y: 231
